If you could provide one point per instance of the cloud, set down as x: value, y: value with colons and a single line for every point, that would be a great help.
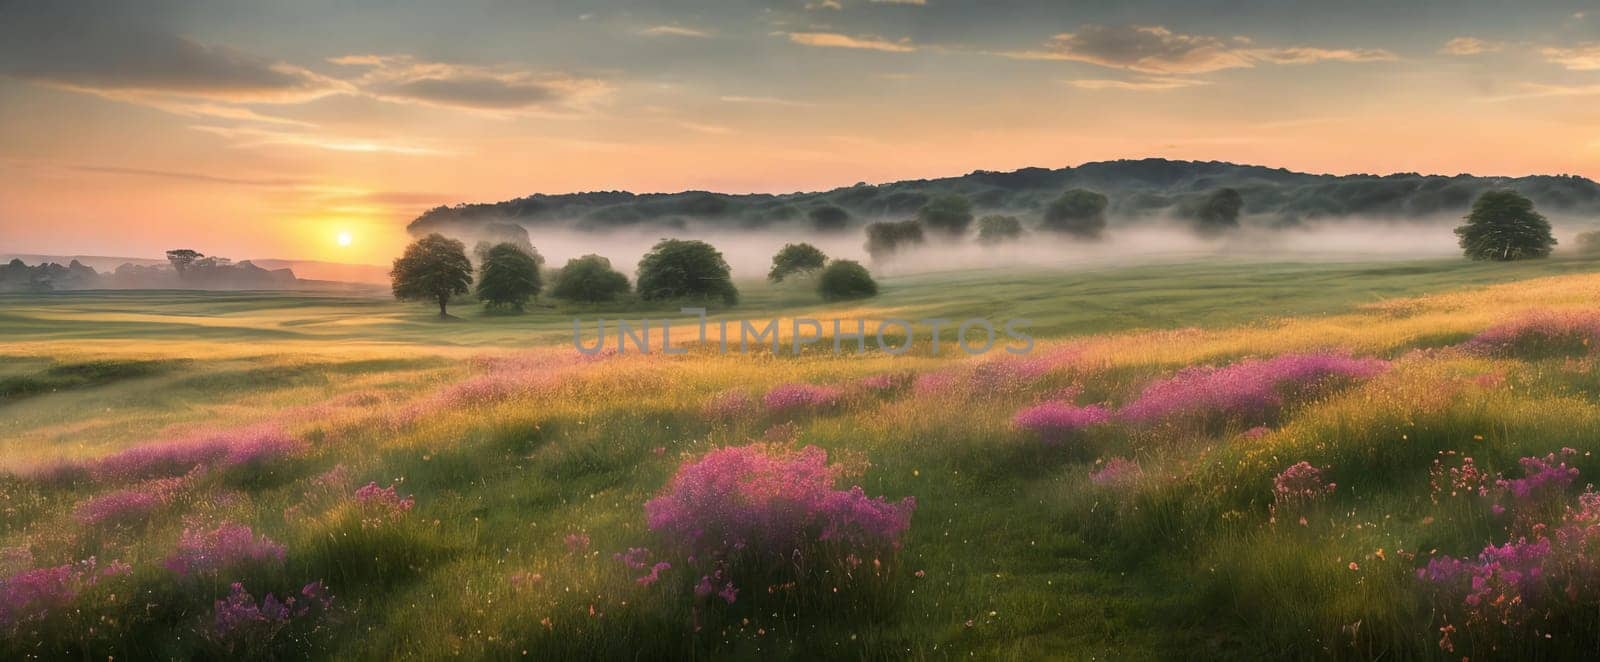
x: 836, y: 40
x: 1158, y: 50
x: 1583, y: 57
x: 1470, y: 46
x: 274, y: 182
x: 674, y: 31
x: 824, y: 4
x: 1144, y: 84
x: 405, y: 79
x: 252, y: 138
x: 1539, y: 90
x: 766, y: 101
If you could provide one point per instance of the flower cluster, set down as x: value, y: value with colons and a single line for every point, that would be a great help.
x: 1466, y: 478
x: 638, y: 558
x: 133, y: 505
x: 1055, y: 422
x: 230, y: 545
x: 786, y: 398
x: 31, y: 594
x: 760, y: 504
x: 250, y: 448
x: 1540, y: 334
x: 241, y: 625
x: 1299, y: 484
x: 381, y: 505
x: 1252, y: 389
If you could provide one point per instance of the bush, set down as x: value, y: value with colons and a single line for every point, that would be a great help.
x: 1219, y: 212
x: 829, y: 218
x: 950, y: 214
x: 846, y: 279
x: 996, y: 229
x: 589, y: 279
x: 1078, y: 212
x: 795, y: 259
x: 685, y: 269
x: 885, y: 238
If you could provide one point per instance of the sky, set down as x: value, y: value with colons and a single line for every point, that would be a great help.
x: 254, y: 129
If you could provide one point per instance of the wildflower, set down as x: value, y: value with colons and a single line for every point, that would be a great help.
x: 1055, y: 422
x: 1252, y: 389
x: 730, y: 404
x: 1299, y: 485
x: 241, y: 625
x: 381, y: 505
x: 1540, y: 334
x: 1116, y: 471
x: 578, y: 543
x: 786, y: 398
x: 229, y: 545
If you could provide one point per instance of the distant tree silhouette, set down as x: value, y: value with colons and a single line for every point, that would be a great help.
x: 950, y: 214
x: 1219, y: 212
x: 181, y: 258
x: 685, y: 268
x: 846, y: 279
x: 996, y: 229
x: 885, y: 238
x: 795, y: 259
x: 508, y: 278
x: 1503, y: 226
x: 433, y: 268
x: 829, y: 218
x: 1588, y: 243
x: 589, y: 279
x: 1077, y: 212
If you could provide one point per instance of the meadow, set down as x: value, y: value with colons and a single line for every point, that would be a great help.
x: 1228, y: 459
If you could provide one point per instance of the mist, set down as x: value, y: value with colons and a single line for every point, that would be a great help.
x: 749, y: 252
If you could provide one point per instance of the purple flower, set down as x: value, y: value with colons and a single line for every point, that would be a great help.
x: 1055, y: 422
x: 241, y: 625
x: 1300, y: 484
x: 381, y: 505
x: 730, y: 404
x: 786, y: 398
x: 227, y: 546
x: 1116, y: 471
x: 1540, y: 333
x: 1252, y: 389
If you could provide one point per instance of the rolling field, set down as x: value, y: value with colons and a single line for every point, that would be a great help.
x: 1353, y: 460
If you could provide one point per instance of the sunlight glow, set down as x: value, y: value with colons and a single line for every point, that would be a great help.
x: 344, y: 239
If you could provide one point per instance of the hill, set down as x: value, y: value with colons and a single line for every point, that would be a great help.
x: 1139, y: 190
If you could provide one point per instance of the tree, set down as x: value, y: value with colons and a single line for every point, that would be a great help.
x: 1588, y: 243
x: 795, y: 259
x: 508, y: 277
x: 829, y: 218
x: 685, y: 268
x: 181, y: 259
x: 846, y: 279
x: 434, y: 268
x: 950, y: 214
x: 1078, y: 212
x: 997, y: 229
x: 1219, y: 212
x: 589, y: 279
x: 1503, y: 226
x: 885, y: 238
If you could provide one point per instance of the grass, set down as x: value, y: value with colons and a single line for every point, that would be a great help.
x: 509, y: 444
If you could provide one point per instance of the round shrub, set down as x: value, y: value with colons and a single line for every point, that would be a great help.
x: 846, y: 279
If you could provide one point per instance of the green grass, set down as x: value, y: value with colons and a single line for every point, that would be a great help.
x: 1013, y: 552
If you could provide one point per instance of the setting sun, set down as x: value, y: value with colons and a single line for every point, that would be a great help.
x: 344, y: 239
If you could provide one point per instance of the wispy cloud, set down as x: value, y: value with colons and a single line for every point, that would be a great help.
x: 268, y: 182
x: 250, y: 138
x: 674, y: 31
x: 1470, y: 46
x: 1582, y: 57
x: 1146, y: 84
x: 1539, y: 90
x: 406, y: 79
x: 1158, y: 50
x: 824, y: 4
x: 837, y: 40
x: 766, y: 101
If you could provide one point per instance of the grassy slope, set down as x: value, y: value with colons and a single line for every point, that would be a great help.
x: 1021, y: 559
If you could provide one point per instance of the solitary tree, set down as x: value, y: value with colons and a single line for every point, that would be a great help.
x: 589, y: 279
x: 1219, y: 212
x: 829, y: 218
x: 508, y: 277
x: 846, y: 279
x: 181, y: 259
x: 685, y: 268
x: 950, y: 214
x: 434, y: 268
x: 885, y: 238
x: 996, y: 229
x: 795, y: 259
x: 1078, y: 212
x: 1503, y: 226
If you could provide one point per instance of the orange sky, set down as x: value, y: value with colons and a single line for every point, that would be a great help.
x: 233, y: 132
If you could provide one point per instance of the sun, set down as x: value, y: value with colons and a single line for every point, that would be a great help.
x: 344, y: 239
